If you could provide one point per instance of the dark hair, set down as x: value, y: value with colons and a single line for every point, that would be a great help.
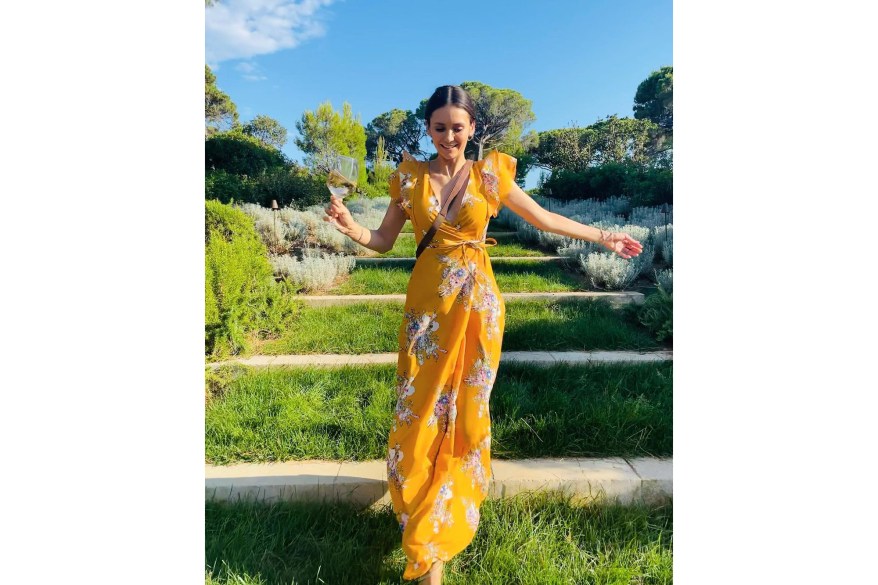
x: 449, y: 95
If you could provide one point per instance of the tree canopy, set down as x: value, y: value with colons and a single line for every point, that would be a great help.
x: 220, y: 112
x: 501, y: 116
x: 325, y: 133
x: 267, y: 130
x: 610, y: 140
x: 401, y: 131
x: 654, y: 99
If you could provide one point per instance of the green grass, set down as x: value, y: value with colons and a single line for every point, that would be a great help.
x: 528, y: 539
x: 511, y: 276
x: 406, y: 247
x: 530, y: 326
x: 563, y: 410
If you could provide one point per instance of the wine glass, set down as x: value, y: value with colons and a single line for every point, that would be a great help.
x: 343, y: 172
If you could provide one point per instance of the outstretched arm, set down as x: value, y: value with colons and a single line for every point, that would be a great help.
x: 381, y: 240
x: 523, y: 205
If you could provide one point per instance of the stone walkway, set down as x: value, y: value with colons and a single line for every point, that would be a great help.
x: 365, y: 483
x: 613, y: 297
x: 536, y: 357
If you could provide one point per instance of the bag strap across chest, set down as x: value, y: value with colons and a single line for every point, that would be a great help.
x: 455, y: 187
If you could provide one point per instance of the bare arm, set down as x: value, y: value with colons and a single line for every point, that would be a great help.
x: 523, y: 205
x: 381, y: 240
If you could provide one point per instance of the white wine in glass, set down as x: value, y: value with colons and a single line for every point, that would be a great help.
x: 343, y: 172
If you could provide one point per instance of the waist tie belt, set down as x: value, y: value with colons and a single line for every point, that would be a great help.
x: 475, y: 245
x: 472, y: 243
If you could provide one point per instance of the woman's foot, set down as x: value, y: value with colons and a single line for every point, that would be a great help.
x: 434, y: 575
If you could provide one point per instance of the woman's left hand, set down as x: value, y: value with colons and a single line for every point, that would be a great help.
x: 622, y: 244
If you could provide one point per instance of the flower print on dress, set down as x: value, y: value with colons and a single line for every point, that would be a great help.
x: 394, y: 475
x: 407, y: 183
x: 441, y: 513
x: 445, y: 410
x: 472, y: 465
x: 432, y: 554
x: 481, y: 376
x: 404, y: 519
x: 472, y: 513
x: 404, y: 389
x: 457, y: 276
x: 490, y: 180
x: 421, y: 329
x: 486, y: 301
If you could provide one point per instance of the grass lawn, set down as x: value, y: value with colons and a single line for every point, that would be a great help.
x: 406, y: 247
x: 562, y: 410
x: 511, y: 276
x: 530, y: 326
x: 529, y: 539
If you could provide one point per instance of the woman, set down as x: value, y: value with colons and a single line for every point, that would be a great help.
x: 438, y: 462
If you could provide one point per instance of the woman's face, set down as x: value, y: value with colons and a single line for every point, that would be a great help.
x: 450, y: 129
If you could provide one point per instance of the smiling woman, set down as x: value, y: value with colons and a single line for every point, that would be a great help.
x: 439, y: 446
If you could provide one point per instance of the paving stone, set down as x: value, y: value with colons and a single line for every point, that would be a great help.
x: 528, y: 356
x: 535, y: 357
x: 614, y: 298
x: 365, y: 483
x: 657, y: 478
x: 577, y: 357
x: 584, y: 480
x: 272, y: 482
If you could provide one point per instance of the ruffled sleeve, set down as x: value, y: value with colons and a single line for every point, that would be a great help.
x: 498, y: 176
x: 401, y: 183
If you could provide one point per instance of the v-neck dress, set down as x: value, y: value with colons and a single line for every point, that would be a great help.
x: 438, y: 457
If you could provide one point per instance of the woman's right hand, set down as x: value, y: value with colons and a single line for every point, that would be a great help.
x: 339, y: 215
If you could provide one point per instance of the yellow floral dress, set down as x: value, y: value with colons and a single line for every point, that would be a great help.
x: 438, y: 457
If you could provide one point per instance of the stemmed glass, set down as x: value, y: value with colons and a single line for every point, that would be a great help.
x: 343, y: 172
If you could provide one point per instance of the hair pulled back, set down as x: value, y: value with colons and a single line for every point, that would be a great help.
x: 449, y: 95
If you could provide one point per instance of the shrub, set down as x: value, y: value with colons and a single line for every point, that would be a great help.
x: 227, y: 187
x: 665, y: 279
x: 241, y: 296
x: 316, y: 271
x: 651, y: 186
x: 289, y: 186
x: 240, y: 154
x: 657, y: 314
x: 644, y: 185
x: 609, y: 271
x: 668, y: 247
x: 373, y: 190
x: 300, y: 229
x: 651, y: 216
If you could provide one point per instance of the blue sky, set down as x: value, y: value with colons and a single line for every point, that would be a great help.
x: 578, y: 61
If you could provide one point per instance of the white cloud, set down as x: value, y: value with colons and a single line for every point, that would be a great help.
x: 250, y: 71
x: 240, y: 29
x: 245, y: 67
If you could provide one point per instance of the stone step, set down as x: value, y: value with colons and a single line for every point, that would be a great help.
x: 535, y: 357
x: 614, y: 297
x: 384, y: 260
x: 364, y: 483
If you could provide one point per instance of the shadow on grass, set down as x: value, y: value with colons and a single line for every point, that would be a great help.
x: 300, y: 542
x: 531, y: 539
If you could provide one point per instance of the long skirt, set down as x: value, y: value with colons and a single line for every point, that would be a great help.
x: 439, y: 447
